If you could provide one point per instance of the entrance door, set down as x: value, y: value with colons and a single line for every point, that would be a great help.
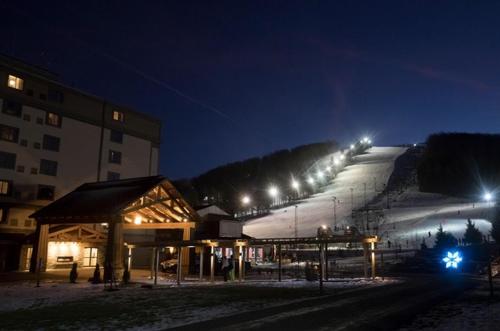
x: 89, y: 256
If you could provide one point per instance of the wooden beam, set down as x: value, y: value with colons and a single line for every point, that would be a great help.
x: 140, y: 206
x: 171, y: 225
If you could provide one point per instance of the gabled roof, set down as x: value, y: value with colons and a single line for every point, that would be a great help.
x: 105, y: 200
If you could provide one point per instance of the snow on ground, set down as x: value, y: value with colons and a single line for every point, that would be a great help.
x: 27, y: 295
x: 414, y: 214
x: 471, y: 311
x: 372, y: 168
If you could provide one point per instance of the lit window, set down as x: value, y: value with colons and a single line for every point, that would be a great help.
x: 4, y: 187
x: 117, y: 116
x: 15, y: 82
x: 53, y: 119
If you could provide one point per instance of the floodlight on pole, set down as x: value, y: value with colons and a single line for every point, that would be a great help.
x: 310, y: 180
x: 319, y: 174
x: 342, y: 156
x: 295, y: 184
x: 336, y: 162
x: 487, y: 196
x: 352, y: 147
x: 273, y: 191
x: 245, y: 200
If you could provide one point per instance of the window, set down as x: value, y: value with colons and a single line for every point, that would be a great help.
x: 48, y: 167
x: 9, y: 133
x: 27, y: 223
x: 7, y: 160
x: 34, y: 171
x: 39, y: 120
x: 118, y: 116
x: 51, y: 143
x: 115, y: 157
x: 53, y: 119
x: 12, y: 108
x: 13, y: 222
x: 15, y: 82
x: 20, y: 168
x: 113, y: 175
x: 36, y: 145
x: 27, y: 117
x: 89, y: 256
x: 45, y: 192
x: 5, y: 187
x: 116, y: 136
x: 43, y: 96
x: 29, y: 92
x: 56, y: 96
x: 24, y: 142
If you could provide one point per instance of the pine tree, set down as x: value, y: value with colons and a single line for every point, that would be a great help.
x: 472, y: 234
x: 444, y: 239
x: 495, y: 226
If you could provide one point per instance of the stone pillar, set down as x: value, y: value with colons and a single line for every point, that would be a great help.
x: 40, y: 248
x: 365, y: 259
x: 114, y: 247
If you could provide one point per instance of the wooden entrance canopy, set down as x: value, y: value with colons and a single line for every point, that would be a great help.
x: 136, y: 203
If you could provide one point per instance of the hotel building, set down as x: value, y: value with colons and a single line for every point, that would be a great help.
x: 54, y: 138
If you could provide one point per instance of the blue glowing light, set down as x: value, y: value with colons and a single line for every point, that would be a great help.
x: 452, y: 260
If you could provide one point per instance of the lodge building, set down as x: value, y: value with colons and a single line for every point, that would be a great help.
x: 53, y: 138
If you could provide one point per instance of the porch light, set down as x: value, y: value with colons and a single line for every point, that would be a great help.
x: 138, y: 220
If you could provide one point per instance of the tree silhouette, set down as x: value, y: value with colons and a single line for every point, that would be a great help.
x: 495, y: 226
x: 472, y: 234
x: 444, y: 239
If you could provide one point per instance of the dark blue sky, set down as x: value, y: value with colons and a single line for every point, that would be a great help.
x: 265, y: 75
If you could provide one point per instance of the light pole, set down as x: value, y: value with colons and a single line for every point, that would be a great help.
x: 335, y: 213
x: 352, y: 199
x: 273, y: 192
x: 296, y: 223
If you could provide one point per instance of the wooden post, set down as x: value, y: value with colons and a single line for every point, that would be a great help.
x: 382, y: 265
x: 279, y: 262
x: 157, y: 261
x: 202, y: 253
x: 374, y: 266
x: 326, y: 262
x: 129, y: 262
x: 179, y: 266
x: 212, y: 263
x: 152, y: 269
x: 365, y: 259
x: 240, y: 263
x: 186, y: 235
x: 490, y: 277
x: 320, y: 269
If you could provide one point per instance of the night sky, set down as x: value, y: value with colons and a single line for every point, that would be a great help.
x: 236, y: 79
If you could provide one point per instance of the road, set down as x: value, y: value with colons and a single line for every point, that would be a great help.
x: 376, y: 308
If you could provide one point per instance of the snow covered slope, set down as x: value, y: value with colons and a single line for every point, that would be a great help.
x: 371, y: 169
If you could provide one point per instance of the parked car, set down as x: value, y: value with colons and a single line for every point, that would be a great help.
x: 169, y: 265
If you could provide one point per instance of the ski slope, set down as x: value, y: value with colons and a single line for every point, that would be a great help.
x: 372, y: 169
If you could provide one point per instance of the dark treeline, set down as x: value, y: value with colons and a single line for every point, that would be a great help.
x: 225, y: 185
x: 460, y: 164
